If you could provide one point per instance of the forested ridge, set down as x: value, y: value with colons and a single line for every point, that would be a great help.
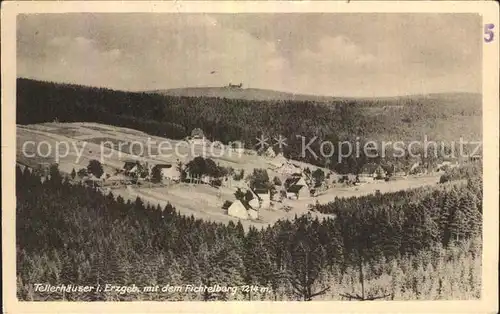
x: 439, y: 117
x: 417, y: 244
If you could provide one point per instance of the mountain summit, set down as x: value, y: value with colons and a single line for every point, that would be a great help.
x: 239, y: 92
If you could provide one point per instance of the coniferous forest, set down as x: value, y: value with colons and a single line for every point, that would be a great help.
x: 409, y: 245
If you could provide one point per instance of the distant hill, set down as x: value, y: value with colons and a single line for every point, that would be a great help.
x: 241, y: 93
x: 258, y: 94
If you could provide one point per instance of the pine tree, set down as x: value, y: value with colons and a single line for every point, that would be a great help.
x: 450, y: 202
x: 306, y: 258
x: 119, y: 268
x: 55, y: 175
x: 239, y: 194
x: 191, y: 274
x: 256, y: 260
x: 458, y: 225
x: 95, y: 167
x: 304, y: 270
x: 156, y: 175
x: 474, y: 219
x: 170, y: 274
x: 231, y: 270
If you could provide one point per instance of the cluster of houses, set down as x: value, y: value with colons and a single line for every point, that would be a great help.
x: 371, y: 172
x: 248, y: 209
x: 296, y: 185
x: 134, y: 171
x: 169, y: 172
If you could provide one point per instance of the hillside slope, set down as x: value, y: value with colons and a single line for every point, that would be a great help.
x: 439, y: 117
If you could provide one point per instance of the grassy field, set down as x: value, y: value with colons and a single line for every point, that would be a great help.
x: 205, y: 202
x: 382, y: 186
x: 69, y: 131
x: 132, y: 148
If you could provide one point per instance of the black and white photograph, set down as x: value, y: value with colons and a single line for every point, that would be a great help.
x: 251, y: 156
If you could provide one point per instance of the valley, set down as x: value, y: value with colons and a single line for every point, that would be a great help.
x: 83, y: 143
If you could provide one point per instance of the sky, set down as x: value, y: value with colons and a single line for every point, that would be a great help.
x: 337, y: 54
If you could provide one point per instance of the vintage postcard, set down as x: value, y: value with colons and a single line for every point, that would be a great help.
x: 245, y: 156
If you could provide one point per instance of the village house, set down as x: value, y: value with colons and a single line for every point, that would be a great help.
x: 297, y: 191
x: 370, y: 172
x: 417, y: 169
x: 264, y: 197
x: 414, y: 168
x: 239, y: 150
x: 205, y: 179
x: 226, y: 206
x: 231, y: 183
x: 253, y: 213
x: 348, y: 178
x: 250, y: 152
x: 255, y: 201
x: 390, y: 169
x: 236, y: 146
x: 333, y: 178
x: 198, y: 179
x: 399, y: 170
x: 235, y: 85
x: 117, y: 179
x: 307, y: 177
x: 241, y: 209
x: 198, y: 140
x: 269, y: 152
x: 168, y: 172
x: 279, y: 161
x: 130, y: 167
x: 447, y: 163
x: 197, y: 133
x: 93, y: 180
x: 399, y: 174
x: 197, y: 137
x: 288, y: 169
x: 296, y: 187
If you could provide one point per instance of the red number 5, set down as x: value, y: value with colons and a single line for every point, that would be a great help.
x: 488, y: 31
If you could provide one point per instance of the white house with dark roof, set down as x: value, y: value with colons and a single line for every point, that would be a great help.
x: 242, y: 210
x: 370, y: 172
